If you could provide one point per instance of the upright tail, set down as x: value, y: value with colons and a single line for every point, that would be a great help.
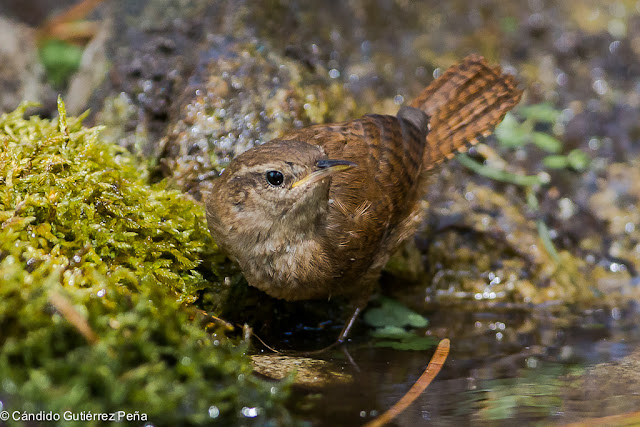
x: 465, y: 103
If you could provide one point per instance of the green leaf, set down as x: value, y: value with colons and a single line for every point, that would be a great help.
x: 393, y: 332
x: 416, y: 343
x: 555, y: 162
x: 541, y: 113
x: 498, y: 174
x: 511, y: 133
x: 578, y: 159
x: 392, y: 313
x: 60, y: 60
x: 546, y: 142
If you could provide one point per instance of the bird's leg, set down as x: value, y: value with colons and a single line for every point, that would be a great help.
x: 344, y: 334
x: 358, y: 305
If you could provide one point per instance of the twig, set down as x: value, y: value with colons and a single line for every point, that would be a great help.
x: 64, y: 306
x: 74, y: 13
x: 264, y: 343
x: 423, y: 382
x: 230, y: 327
x: 221, y: 322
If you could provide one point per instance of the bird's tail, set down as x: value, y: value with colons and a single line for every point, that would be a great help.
x: 464, y: 104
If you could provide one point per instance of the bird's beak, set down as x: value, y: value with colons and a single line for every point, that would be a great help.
x: 325, y: 169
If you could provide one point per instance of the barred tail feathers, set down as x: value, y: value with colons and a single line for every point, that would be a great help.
x: 464, y: 104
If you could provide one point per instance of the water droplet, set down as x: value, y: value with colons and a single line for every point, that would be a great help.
x: 600, y: 87
x: 214, y: 411
x: 250, y: 412
x: 617, y: 28
x: 532, y: 362
x: 562, y: 79
x: 614, y: 46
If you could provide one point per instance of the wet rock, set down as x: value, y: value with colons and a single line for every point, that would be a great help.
x: 307, y: 372
x: 603, y: 390
x: 243, y: 94
x: 483, y: 245
x: 152, y: 56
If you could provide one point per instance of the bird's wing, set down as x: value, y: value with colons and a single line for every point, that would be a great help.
x: 370, y: 203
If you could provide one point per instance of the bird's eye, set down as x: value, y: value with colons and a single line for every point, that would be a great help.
x: 275, y: 178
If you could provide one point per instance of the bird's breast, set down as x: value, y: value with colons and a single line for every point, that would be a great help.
x: 291, y: 268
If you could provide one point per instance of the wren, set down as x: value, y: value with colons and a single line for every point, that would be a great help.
x: 318, y: 212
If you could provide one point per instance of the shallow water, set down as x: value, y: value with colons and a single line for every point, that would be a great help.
x: 536, y: 376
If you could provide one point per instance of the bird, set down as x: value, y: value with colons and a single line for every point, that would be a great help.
x: 318, y: 212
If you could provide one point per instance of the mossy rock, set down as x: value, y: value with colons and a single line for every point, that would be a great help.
x: 96, y: 270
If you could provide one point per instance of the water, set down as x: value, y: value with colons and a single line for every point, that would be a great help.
x: 535, y: 373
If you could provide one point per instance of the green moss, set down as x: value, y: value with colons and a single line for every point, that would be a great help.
x: 91, y: 262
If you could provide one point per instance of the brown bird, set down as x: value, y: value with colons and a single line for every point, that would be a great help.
x: 318, y: 212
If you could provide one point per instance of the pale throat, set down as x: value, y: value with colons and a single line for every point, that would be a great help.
x: 294, y: 244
